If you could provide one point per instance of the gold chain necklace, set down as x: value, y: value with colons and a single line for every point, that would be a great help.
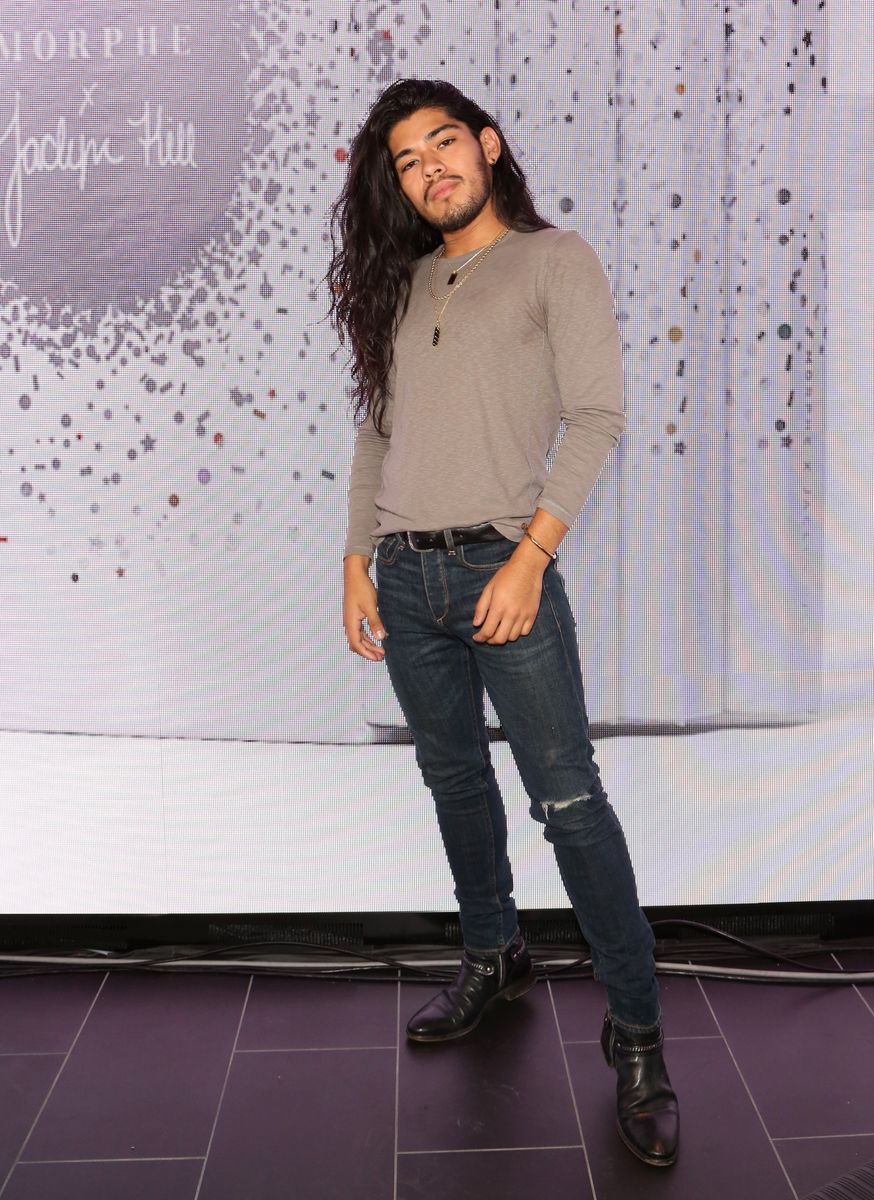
x: 456, y: 271
x: 438, y: 312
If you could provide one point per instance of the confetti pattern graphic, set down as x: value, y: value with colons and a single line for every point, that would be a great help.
x: 148, y: 245
x: 174, y: 433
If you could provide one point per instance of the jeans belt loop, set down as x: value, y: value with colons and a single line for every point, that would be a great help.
x: 450, y: 544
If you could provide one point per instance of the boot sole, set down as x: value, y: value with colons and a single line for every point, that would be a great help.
x: 513, y: 992
x: 651, y: 1161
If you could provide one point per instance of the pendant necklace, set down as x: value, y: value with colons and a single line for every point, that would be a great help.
x: 480, y: 255
x: 452, y: 278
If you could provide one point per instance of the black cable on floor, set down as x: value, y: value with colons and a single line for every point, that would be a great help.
x: 386, y: 966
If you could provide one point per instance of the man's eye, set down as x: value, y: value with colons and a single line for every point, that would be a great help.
x: 447, y: 141
x: 407, y: 164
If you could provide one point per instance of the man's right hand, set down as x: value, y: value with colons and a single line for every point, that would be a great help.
x: 359, y: 607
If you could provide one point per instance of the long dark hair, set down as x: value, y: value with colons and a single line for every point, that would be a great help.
x: 376, y: 233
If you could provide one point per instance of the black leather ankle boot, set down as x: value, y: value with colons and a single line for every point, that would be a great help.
x: 481, y: 980
x: 648, y: 1116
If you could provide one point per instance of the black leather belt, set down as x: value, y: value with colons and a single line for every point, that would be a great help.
x: 446, y: 539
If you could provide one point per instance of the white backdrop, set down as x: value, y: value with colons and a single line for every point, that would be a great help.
x: 183, y: 727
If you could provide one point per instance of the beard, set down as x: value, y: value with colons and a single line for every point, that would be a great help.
x: 457, y: 216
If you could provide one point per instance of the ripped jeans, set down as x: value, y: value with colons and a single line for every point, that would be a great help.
x: 427, y: 599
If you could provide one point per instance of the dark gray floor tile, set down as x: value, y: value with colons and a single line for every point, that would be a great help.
x: 287, y: 1014
x: 483, y: 1174
x: 814, y: 1162
x: 504, y: 1085
x: 145, y: 1076
x: 799, y: 1049
x: 580, y: 1004
x: 42, y: 1013
x: 106, y: 1180
x: 313, y: 1126
x: 24, y: 1085
x: 724, y: 1152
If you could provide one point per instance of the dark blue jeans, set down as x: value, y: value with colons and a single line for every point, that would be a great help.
x: 427, y: 599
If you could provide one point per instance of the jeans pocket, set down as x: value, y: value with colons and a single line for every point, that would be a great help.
x: 486, y: 556
x: 389, y: 548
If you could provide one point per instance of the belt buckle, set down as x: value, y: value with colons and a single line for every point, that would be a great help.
x: 446, y: 534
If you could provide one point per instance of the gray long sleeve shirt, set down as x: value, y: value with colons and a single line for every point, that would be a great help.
x: 530, y: 341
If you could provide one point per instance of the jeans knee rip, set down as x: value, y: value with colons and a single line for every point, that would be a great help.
x: 552, y: 807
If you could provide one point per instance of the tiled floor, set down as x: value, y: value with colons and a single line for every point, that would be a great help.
x: 184, y: 1087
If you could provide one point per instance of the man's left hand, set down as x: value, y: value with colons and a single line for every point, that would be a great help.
x: 508, y: 606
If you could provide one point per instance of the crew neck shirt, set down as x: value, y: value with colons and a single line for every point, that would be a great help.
x: 529, y: 344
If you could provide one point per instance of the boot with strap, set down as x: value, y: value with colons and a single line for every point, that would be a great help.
x: 482, y: 980
x: 648, y: 1115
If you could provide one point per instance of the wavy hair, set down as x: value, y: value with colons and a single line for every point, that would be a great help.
x: 376, y: 233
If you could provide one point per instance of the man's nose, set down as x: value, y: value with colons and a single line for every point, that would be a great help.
x: 431, y: 166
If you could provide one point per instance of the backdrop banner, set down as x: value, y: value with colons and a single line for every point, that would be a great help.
x: 175, y: 432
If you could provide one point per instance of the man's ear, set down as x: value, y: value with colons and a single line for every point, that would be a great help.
x: 490, y: 143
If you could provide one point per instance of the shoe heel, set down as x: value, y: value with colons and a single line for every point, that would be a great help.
x: 520, y: 987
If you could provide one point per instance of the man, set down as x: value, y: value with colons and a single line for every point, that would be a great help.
x: 476, y: 328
